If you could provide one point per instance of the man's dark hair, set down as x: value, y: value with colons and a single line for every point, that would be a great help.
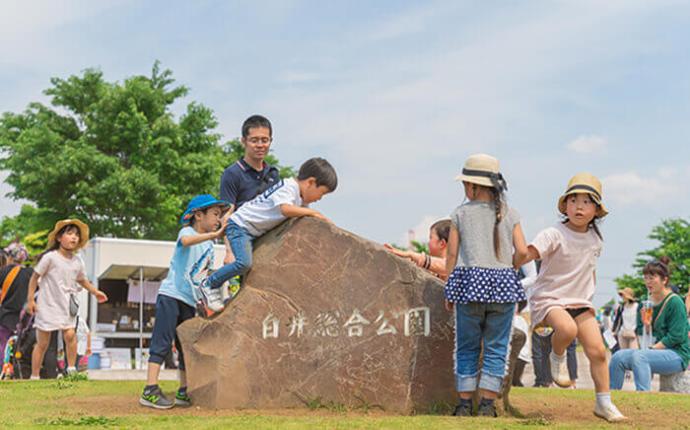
x: 256, y: 121
x: 321, y: 170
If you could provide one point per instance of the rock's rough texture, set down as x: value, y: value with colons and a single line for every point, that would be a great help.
x: 676, y: 382
x: 324, y: 316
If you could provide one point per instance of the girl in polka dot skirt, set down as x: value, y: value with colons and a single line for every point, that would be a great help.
x: 483, y: 286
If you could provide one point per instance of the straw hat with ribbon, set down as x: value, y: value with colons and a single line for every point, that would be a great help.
x: 482, y: 169
x: 627, y: 294
x: 83, y: 231
x: 584, y: 183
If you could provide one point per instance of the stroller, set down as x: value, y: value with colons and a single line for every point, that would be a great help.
x: 16, y: 361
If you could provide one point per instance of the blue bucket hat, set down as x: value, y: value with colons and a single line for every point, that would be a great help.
x: 198, y: 203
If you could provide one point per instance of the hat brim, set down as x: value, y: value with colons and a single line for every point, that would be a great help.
x: 486, y: 182
x: 625, y: 295
x: 601, y: 210
x: 187, y: 215
x: 83, y: 232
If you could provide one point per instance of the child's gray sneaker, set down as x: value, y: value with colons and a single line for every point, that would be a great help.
x: 154, y: 398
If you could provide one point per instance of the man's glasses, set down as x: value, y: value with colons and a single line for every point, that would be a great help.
x: 259, y: 140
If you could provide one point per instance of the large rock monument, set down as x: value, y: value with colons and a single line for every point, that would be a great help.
x: 325, y: 316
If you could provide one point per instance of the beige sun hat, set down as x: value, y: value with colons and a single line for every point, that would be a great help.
x: 83, y: 231
x: 482, y: 169
x: 627, y: 293
x: 584, y: 183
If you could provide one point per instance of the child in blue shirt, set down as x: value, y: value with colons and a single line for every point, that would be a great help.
x: 192, y: 260
x: 288, y: 198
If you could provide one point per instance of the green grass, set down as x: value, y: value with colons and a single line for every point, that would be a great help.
x: 113, y: 405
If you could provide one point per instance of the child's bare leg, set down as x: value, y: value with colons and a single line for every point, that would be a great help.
x: 42, y: 341
x: 564, y: 330
x: 229, y: 256
x: 152, y: 372
x: 70, y: 338
x: 593, y: 344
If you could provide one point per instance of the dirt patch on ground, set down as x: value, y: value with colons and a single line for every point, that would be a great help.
x: 538, y: 411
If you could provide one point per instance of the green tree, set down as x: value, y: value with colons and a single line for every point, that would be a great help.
x: 673, y: 236
x: 112, y: 154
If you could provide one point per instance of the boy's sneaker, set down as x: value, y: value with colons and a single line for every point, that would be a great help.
x: 609, y: 412
x: 230, y: 289
x: 559, y: 371
x: 182, y: 398
x: 487, y: 409
x: 211, y: 298
x: 463, y: 409
x: 154, y: 398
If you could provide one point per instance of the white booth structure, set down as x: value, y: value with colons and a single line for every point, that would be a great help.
x: 129, y: 271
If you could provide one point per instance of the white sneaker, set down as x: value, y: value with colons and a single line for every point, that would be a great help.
x: 559, y: 371
x: 609, y: 412
x: 212, y: 297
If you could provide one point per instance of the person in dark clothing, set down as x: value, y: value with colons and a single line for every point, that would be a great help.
x: 13, y: 301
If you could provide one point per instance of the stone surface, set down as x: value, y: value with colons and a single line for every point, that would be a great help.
x: 676, y: 382
x: 325, y: 316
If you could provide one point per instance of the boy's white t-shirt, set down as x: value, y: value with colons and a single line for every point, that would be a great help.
x: 263, y: 213
x: 58, y: 276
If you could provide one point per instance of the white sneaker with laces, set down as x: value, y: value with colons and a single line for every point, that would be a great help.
x: 212, y: 297
x: 609, y: 412
x: 559, y: 371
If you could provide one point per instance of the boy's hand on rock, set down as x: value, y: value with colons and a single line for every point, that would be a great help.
x: 321, y: 216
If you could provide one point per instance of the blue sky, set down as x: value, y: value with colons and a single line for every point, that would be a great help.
x: 397, y: 94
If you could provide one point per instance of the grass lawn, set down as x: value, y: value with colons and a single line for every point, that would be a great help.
x: 114, y: 404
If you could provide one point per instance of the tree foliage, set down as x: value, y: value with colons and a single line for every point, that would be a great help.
x: 112, y: 154
x: 673, y: 236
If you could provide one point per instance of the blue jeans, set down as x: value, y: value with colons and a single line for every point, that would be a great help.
x: 241, y: 245
x: 474, y: 322
x: 643, y: 362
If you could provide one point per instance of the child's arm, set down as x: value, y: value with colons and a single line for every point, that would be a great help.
x: 30, y: 302
x: 523, y: 253
x: 203, y: 237
x: 292, y: 211
x: 452, y: 249
x: 88, y: 286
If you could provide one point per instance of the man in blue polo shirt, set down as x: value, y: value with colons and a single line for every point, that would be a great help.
x: 250, y: 175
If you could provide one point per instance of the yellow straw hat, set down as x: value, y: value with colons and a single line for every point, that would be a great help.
x: 627, y: 293
x: 83, y: 231
x: 584, y: 183
x: 482, y: 169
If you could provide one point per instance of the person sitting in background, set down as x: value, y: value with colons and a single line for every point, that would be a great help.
x: 671, y: 352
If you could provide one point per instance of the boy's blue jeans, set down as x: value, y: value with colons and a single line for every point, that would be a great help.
x: 241, y: 245
x: 643, y: 362
x: 474, y: 322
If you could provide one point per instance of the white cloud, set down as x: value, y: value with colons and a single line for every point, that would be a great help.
x: 588, y: 144
x: 630, y: 188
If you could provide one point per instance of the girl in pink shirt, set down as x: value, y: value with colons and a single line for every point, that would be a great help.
x: 562, y: 294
